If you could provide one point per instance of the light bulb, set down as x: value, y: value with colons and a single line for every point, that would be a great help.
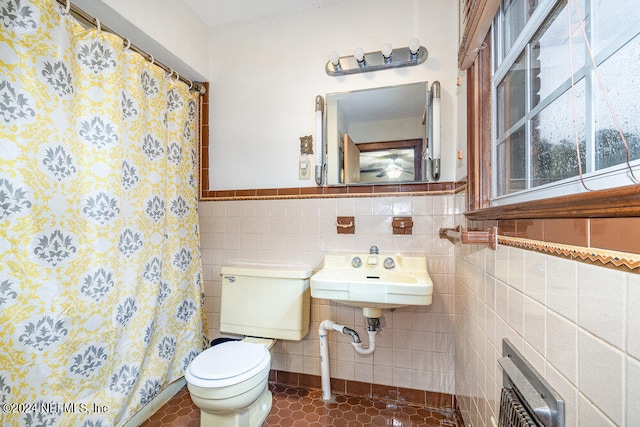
x: 414, y: 46
x: 334, y: 57
x: 386, y: 50
x: 394, y: 171
x: 359, y: 54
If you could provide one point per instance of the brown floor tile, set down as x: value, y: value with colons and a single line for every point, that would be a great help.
x: 293, y: 406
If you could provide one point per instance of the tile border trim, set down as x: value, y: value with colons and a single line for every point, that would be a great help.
x: 579, y: 253
x: 324, y: 196
x: 406, y: 190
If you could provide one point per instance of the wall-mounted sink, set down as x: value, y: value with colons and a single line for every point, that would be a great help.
x: 373, y: 281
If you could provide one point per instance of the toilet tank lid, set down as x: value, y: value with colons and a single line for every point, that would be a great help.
x: 266, y: 271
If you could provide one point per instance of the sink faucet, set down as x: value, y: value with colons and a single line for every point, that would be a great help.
x: 373, y: 250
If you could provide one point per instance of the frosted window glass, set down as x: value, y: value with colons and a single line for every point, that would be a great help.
x: 612, y: 19
x: 512, y: 96
x: 551, y: 57
x: 621, y: 78
x: 553, y: 141
x: 512, y: 166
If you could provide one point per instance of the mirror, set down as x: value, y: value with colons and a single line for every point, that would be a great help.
x: 377, y: 135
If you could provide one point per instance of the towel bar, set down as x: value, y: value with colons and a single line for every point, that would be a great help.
x: 472, y: 237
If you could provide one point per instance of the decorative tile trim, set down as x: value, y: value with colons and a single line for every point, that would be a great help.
x: 579, y: 253
x: 349, y: 191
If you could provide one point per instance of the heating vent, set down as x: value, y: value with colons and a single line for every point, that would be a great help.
x: 527, y: 399
x: 512, y: 412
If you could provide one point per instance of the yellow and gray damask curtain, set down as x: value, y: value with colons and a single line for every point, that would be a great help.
x: 100, y: 271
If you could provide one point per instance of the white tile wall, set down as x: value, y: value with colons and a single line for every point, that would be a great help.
x: 600, y: 375
x: 578, y: 324
x: 561, y: 345
x: 415, y: 349
x: 633, y: 320
x: 633, y: 391
x: 601, y: 303
x: 562, y: 287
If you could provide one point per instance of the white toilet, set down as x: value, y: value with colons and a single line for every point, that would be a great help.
x: 228, y: 381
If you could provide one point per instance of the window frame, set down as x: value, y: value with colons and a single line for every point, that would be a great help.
x: 621, y: 201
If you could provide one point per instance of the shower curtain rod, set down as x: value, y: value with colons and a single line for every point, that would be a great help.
x: 87, y: 19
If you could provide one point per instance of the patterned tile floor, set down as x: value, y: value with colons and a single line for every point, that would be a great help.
x: 301, y: 407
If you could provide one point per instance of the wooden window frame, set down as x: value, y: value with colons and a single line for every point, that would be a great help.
x: 614, y: 202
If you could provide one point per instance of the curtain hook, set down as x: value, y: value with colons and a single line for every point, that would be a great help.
x: 98, y: 25
x: 128, y: 45
x: 68, y: 7
x: 190, y: 84
x: 177, y: 76
x: 152, y: 59
x: 170, y: 73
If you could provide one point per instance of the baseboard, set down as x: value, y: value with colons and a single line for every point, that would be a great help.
x: 156, y: 403
x: 430, y: 399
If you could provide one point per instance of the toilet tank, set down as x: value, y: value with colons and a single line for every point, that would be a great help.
x: 265, y: 302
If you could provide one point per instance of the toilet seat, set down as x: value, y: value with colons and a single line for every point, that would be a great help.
x: 227, y: 364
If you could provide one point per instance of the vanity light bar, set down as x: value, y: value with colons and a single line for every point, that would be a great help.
x: 361, y: 62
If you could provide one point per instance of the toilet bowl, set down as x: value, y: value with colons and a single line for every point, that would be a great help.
x: 228, y: 382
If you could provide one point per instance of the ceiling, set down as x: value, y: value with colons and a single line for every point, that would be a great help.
x: 221, y: 12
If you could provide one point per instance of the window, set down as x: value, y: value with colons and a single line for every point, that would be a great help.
x: 550, y: 120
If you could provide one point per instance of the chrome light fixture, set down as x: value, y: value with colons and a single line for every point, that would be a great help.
x: 320, y: 149
x: 388, y: 57
x: 434, y: 106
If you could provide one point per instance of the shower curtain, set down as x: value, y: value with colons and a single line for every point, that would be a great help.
x: 100, y: 271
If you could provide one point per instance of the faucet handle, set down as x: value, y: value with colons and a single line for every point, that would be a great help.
x: 373, y: 250
x: 389, y: 263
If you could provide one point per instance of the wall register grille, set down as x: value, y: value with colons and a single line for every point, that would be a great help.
x: 527, y: 399
x: 512, y: 412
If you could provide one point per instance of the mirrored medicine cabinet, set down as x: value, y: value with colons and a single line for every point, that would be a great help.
x: 377, y: 136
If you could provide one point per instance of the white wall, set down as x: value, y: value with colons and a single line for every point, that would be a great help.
x: 267, y: 72
x: 169, y: 30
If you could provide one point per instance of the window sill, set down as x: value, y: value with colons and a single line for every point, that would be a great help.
x: 616, y: 202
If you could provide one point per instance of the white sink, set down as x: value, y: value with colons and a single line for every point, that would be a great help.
x: 372, y: 285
